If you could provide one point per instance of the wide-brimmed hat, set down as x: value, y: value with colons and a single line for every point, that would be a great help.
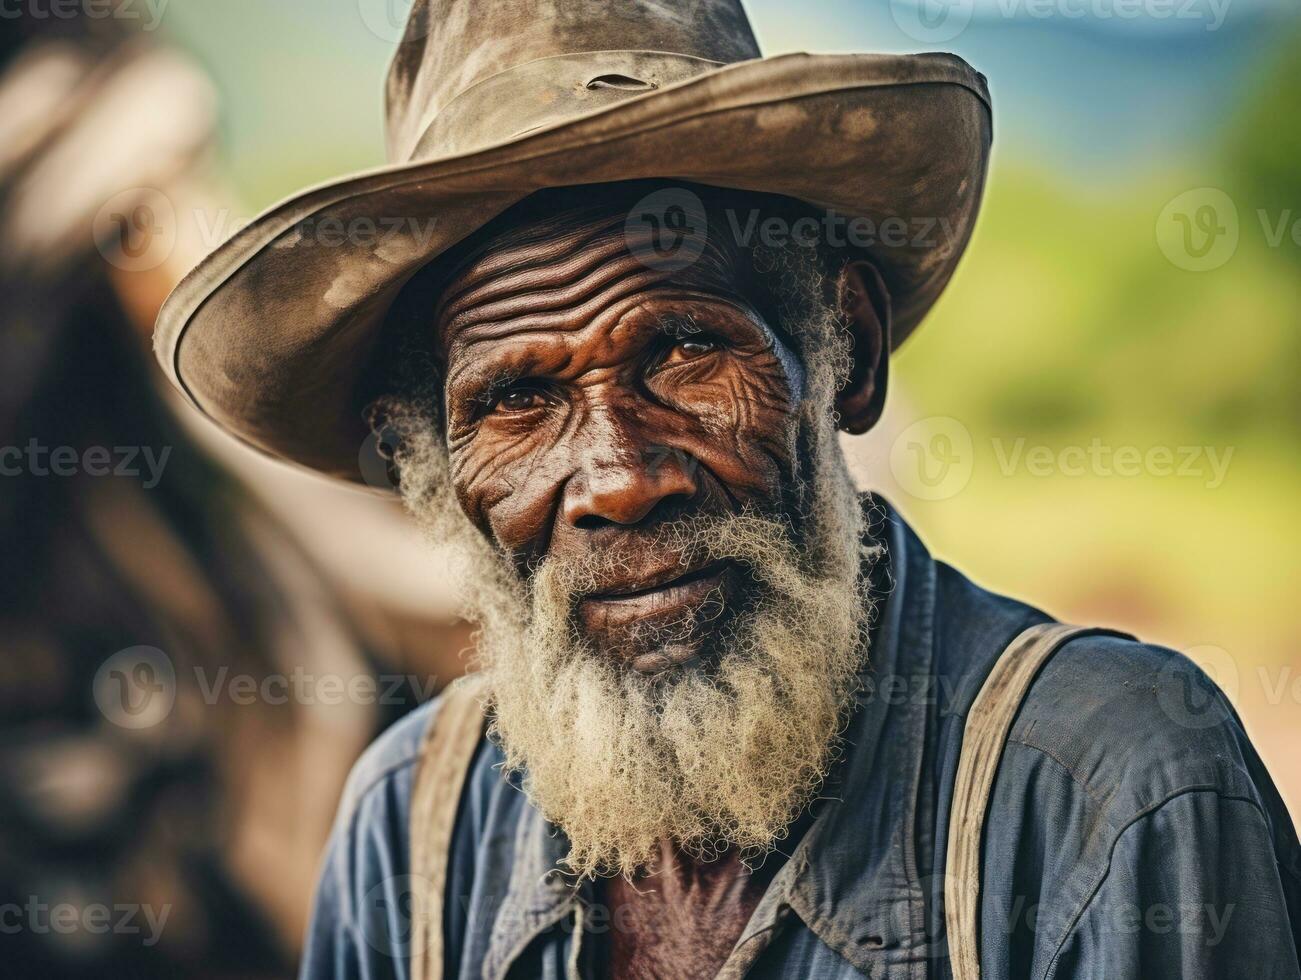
x: 490, y: 101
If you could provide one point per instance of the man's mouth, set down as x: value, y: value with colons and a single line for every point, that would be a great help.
x: 685, y: 598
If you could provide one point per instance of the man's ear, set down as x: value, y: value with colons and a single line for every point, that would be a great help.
x: 866, y: 305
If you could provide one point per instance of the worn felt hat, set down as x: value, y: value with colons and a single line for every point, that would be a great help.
x: 490, y: 101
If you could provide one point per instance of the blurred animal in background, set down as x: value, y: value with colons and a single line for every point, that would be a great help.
x: 168, y: 771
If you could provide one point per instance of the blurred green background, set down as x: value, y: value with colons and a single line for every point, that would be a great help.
x: 1101, y: 303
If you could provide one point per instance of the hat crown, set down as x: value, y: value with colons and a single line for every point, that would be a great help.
x: 450, y: 46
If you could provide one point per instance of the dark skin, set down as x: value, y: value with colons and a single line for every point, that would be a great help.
x: 590, y: 398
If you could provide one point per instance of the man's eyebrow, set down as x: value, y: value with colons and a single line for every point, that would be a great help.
x: 483, y: 384
x: 492, y: 370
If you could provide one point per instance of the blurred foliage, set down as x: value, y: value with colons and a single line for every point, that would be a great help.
x: 1066, y: 317
x: 1264, y: 150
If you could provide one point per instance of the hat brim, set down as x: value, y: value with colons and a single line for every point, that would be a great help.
x: 272, y: 334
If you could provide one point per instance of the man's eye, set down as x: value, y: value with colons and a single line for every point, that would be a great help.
x: 520, y: 400
x: 689, y: 350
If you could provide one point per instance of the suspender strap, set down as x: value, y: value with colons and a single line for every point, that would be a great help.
x: 445, y: 757
x: 983, y: 740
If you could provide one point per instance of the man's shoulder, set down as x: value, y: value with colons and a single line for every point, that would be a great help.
x: 1133, y: 725
x: 1118, y: 715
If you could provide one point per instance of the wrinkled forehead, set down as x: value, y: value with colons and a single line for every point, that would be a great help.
x: 646, y: 236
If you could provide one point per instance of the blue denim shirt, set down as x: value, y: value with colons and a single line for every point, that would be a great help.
x: 1133, y: 832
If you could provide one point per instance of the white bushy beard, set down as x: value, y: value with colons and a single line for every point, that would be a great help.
x: 706, y: 758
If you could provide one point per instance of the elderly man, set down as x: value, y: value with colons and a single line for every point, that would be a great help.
x: 730, y: 718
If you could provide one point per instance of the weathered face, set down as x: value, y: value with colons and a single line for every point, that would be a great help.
x: 591, y: 400
x: 669, y: 648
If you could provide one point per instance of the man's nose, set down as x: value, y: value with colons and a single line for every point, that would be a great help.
x: 630, y: 487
